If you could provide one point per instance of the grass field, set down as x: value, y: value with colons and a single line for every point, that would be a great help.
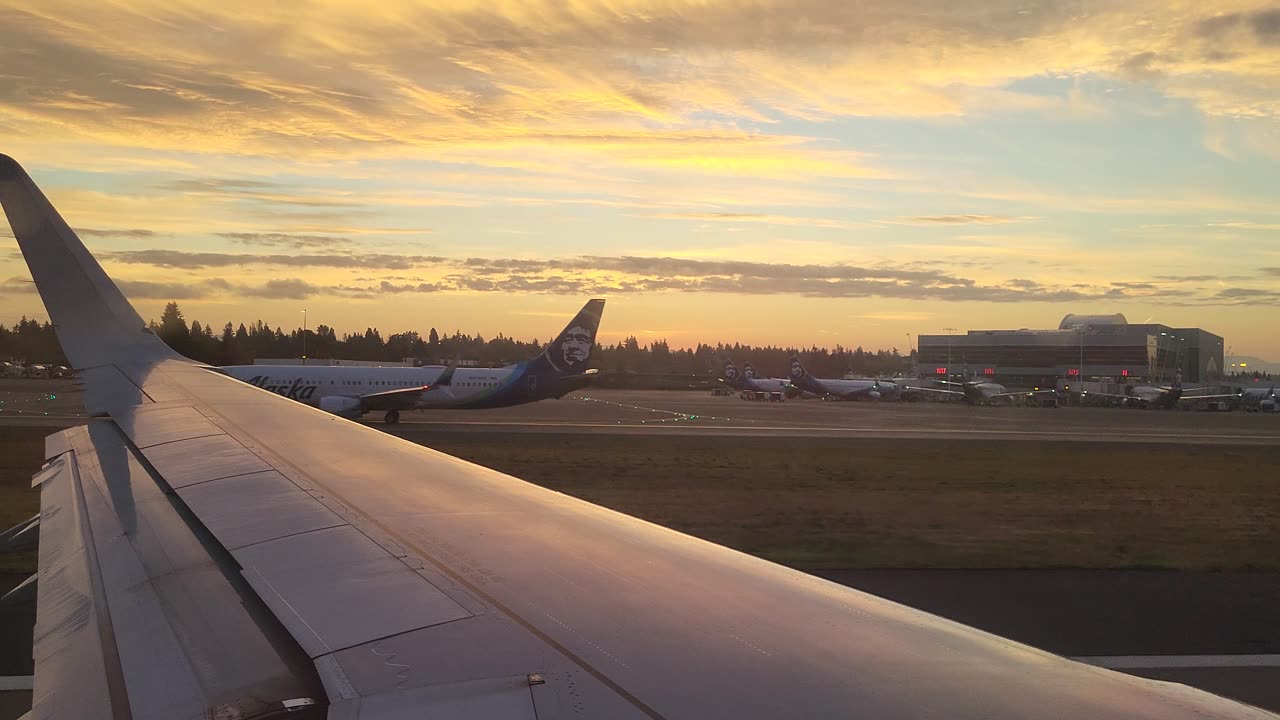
x: 822, y: 503
x: 21, y: 454
x: 832, y: 503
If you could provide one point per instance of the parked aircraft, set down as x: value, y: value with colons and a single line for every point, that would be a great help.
x: 1162, y: 397
x: 747, y: 379
x: 352, y: 391
x: 769, y: 384
x: 209, y: 549
x: 975, y: 392
x: 845, y: 389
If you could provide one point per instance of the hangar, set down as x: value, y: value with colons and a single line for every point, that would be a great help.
x: 1082, y: 346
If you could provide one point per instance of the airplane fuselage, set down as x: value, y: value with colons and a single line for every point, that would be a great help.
x: 855, y: 389
x: 469, y: 388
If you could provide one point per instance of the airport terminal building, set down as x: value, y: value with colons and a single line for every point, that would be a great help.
x: 1083, y: 346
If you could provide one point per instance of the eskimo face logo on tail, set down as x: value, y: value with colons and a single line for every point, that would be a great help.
x: 797, y: 370
x: 575, y: 346
x: 292, y: 389
x: 571, y: 352
x: 730, y: 371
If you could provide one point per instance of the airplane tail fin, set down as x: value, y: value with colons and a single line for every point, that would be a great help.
x: 94, y: 322
x: 730, y: 371
x: 570, y: 352
x: 748, y: 371
x: 797, y: 369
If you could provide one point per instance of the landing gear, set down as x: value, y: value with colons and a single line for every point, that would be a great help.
x: 392, y: 417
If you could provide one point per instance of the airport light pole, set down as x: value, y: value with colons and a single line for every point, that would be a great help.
x: 948, y: 331
x: 1081, y: 378
x: 304, y: 336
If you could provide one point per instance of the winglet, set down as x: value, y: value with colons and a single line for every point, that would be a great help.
x: 446, y: 377
x: 95, y: 324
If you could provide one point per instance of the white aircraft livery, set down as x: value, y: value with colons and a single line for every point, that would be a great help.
x: 352, y: 391
x: 209, y: 549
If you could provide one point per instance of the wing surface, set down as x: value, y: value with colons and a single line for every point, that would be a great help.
x: 917, y: 388
x: 215, y: 550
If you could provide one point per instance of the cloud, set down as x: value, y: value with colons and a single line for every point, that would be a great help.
x: 297, y: 242
x: 152, y: 290
x: 741, y: 217
x: 1187, y: 278
x: 18, y: 284
x: 1246, y: 225
x: 1247, y: 296
x: 259, y: 190
x: 1140, y: 66
x: 1270, y: 271
x: 282, y: 289
x: 290, y: 289
x: 178, y: 259
x: 481, y: 84
x: 623, y: 275
x: 132, y: 234
x: 957, y: 220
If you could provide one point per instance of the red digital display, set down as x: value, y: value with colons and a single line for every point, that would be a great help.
x: 1073, y: 372
x: 940, y: 371
x: 988, y: 371
x: 1124, y: 373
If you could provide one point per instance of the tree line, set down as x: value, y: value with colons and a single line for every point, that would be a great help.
x: 35, y: 342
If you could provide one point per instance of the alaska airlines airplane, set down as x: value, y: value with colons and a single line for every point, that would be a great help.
x: 350, y: 391
x: 747, y: 379
x: 845, y: 389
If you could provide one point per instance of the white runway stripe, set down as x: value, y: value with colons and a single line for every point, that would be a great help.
x: 1133, y: 662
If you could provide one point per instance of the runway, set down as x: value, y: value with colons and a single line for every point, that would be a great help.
x: 619, y: 412
x: 654, y: 412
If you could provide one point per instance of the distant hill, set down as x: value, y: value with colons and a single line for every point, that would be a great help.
x: 1257, y: 364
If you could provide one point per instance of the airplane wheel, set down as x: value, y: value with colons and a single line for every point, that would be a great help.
x: 392, y: 417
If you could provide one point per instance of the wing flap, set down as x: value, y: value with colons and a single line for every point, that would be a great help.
x: 312, y: 580
x: 254, y: 508
x: 69, y: 646
x: 199, y: 460
x: 185, y: 636
x: 157, y: 425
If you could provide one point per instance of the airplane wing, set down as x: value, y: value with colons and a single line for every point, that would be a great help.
x: 1137, y: 398
x: 402, y: 398
x: 917, y: 388
x: 1187, y: 398
x: 1023, y: 393
x: 209, y: 549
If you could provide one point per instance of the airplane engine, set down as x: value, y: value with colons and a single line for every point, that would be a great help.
x: 342, y: 406
x: 874, y: 394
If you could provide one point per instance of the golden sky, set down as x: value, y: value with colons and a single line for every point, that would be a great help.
x: 721, y: 170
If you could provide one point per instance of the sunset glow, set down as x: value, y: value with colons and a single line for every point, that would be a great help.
x: 793, y: 173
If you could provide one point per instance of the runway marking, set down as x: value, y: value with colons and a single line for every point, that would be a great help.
x: 1104, y: 433
x: 17, y: 682
x: 1137, y: 662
